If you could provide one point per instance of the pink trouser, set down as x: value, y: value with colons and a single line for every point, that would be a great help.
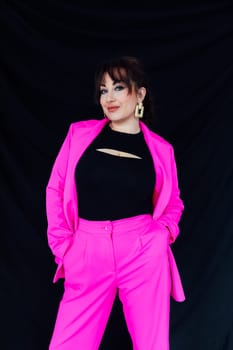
x: 129, y: 256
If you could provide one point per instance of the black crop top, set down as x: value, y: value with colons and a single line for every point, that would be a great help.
x: 111, y: 187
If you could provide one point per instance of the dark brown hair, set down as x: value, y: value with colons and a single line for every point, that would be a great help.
x: 131, y: 71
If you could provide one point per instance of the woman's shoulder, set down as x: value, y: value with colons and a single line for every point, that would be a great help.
x: 160, y: 137
x: 83, y: 126
x: 156, y: 137
x: 87, y: 123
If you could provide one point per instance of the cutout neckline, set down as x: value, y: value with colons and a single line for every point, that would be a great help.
x: 117, y: 153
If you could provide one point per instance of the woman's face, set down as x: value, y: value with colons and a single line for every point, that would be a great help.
x: 116, y: 100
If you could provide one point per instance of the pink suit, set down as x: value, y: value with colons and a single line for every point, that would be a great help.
x: 132, y: 255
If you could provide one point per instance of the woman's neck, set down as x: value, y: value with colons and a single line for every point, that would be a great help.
x: 129, y: 128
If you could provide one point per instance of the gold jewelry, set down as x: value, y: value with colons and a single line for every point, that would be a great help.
x: 139, y: 110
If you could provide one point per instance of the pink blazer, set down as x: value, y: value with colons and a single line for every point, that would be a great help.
x: 62, y: 201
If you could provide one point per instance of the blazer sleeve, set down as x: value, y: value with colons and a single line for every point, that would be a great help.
x: 174, y: 209
x: 59, y: 232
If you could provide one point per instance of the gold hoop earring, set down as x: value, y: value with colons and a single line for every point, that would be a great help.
x: 139, y: 110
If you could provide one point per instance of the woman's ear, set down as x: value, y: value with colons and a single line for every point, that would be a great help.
x: 141, y: 94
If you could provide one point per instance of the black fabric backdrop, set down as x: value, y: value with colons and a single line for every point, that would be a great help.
x: 49, y: 51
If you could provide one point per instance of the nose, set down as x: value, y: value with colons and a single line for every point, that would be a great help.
x: 109, y: 96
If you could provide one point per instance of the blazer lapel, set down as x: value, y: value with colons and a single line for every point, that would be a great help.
x: 81, y: 140
x: 161, y: 156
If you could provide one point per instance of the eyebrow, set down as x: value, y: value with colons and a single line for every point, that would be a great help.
x: 114, y: 82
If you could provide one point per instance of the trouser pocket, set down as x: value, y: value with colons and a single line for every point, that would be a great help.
x: 154, y: 241
x: 74, y: 259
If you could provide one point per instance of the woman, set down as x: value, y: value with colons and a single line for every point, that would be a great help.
x: 113, y: 208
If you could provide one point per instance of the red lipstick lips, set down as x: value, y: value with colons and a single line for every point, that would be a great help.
x: 112, y: 109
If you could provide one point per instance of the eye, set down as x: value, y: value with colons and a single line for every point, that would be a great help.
x: 119, y: 87
x: 103, y: 91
